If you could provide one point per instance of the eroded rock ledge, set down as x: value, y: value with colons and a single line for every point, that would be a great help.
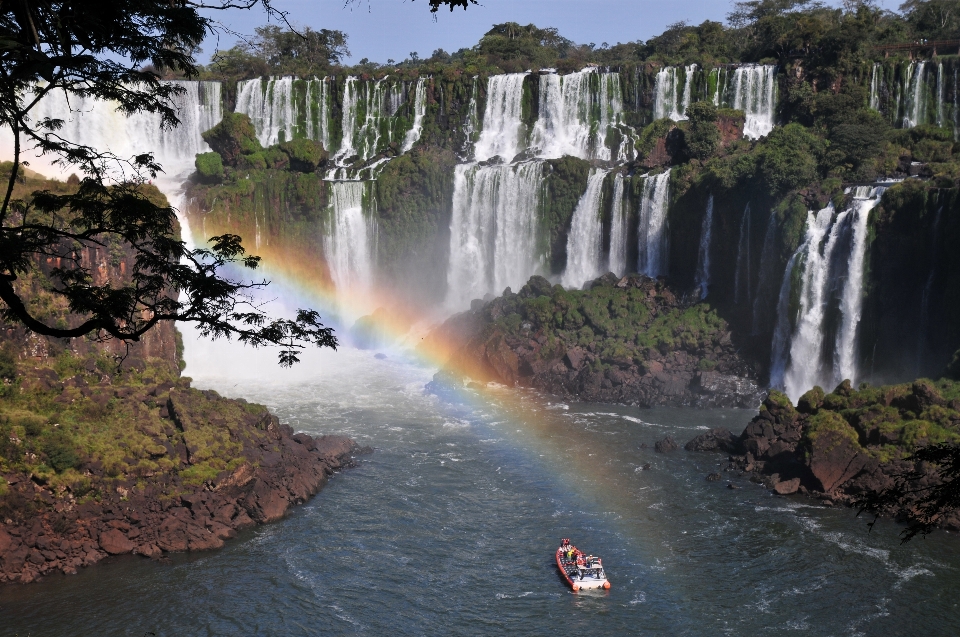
x: 151, y: 515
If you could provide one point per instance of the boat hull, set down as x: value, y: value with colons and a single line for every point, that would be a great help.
x: 576, y: 578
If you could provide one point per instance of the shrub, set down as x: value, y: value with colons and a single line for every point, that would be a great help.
x: 305, y: 155
x: 789, y: 157
x: 60, y: 451
x: 702, y: 137
x: 209, y: 168
x: 232, y: 137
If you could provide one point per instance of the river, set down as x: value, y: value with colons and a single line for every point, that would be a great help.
x: 449, y: 529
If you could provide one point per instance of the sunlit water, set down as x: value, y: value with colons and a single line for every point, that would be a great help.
x: 449, y: 527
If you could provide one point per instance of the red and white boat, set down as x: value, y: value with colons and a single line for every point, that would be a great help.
x: 581, y: 571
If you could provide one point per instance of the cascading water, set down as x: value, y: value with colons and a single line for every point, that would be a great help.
x: 666, y: 101
x: 350, y: 241
x: 99, y: 125
x: 492, y: 230
x: 471, y: 123
x: 270, y: 106
x: 618, y: 229
x: 653, y: 245
x: 940, y: 120
x: 584, y: 243
x: 502, y: 126
x: 755, y: 93
x: 875, y: 87
x: 802, y: 359
x: 318, y: 128
x: 915, y: 108
x: 832, y: 257
x: 419, y: 110
x: 703, y: 258
x: 851, y: 299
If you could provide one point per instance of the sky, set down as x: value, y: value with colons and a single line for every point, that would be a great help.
x: 381, y: 30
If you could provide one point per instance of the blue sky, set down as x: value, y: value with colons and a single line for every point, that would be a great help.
x: 392, y: 29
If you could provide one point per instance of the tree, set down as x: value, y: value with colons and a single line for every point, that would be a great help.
x: 62, y: 45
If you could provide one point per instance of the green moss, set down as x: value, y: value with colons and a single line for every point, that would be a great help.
x: 209, y: 167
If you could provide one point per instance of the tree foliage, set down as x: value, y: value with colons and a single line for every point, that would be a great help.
x: 118, y: 53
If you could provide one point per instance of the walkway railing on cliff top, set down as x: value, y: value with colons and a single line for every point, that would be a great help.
x: 921, y: 45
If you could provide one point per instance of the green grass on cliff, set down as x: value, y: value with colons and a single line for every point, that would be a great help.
x: 79, y: 427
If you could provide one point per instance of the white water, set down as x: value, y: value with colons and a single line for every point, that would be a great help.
x: 851, y: 298
x: 755, y: 93
x: 584, y: 243
x: 318, y: 128
x: 940, y: 94
x: 492, y: 230
x: 832, y: 257
x: 350, y: 241
x: 502, y: 127
x: 471, y: 123
x: 618, y: 229
x: 703, y: 258
x: 803, y: 368
x: 667, y: 102
x: 875, y: 87
x: 915, y: 107
x: 270, y: 106
x: 652, y: 233
x: 419, y: 110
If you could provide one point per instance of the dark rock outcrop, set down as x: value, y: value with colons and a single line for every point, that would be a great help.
x: 274, y: 470
x: 841, y: 446
x: 628, y: 340
x: 666, y: 445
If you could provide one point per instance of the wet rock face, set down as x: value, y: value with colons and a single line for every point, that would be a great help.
x: 666, y: 445
x: 279, y: 469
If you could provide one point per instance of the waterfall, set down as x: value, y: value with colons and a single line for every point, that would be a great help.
x: 269, y: 104
x: 618, y: 229
x: 956, y: 111
x: 832, y: 256
x: 755, y: 93
x: 851, y: 299
x: 743, y: 255
x: 652, y: 232
x: 492, y: 229
x: 502, y: 126
x: 766, y: 266
x: 779, y: 350
x: 719, y: 90
x: 703, y: 258
x: 666, y: 102
x: 572, y: 119
x: 98, y: 124
x: 584, y: 242
x: 472, y: 122
x: 805, y: 351
x: 318, y: 129
x: 350, y: 241
x: 940, y: 94
x: 611, y: 109
x: 875, y: 87
x: 915, y: 108
x: 419, y: 110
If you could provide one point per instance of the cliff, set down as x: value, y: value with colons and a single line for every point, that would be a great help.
x: 105, y: 449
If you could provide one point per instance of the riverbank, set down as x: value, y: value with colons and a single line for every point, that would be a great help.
x: 96, y: 466
x: 846, y: 445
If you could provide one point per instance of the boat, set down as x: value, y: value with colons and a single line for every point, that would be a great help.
x: 581, y: 571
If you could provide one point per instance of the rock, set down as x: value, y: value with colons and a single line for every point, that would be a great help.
x: 718, y: 439
x: 835, y: 459
x: 666, y: 445
x: 646, y: 467
x: 713, y: 477
x: 575, y: 357
x: 731, y: 485
x: 114, y: 542
x: 787, y: 487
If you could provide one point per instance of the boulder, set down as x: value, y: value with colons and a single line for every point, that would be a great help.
x: 666, y: 445
x: 834, y: 459
x: 718, y: 439
x: 713, y: 477
x: 114, y: 542
x: 575, y: 357
x: 787, y: 487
